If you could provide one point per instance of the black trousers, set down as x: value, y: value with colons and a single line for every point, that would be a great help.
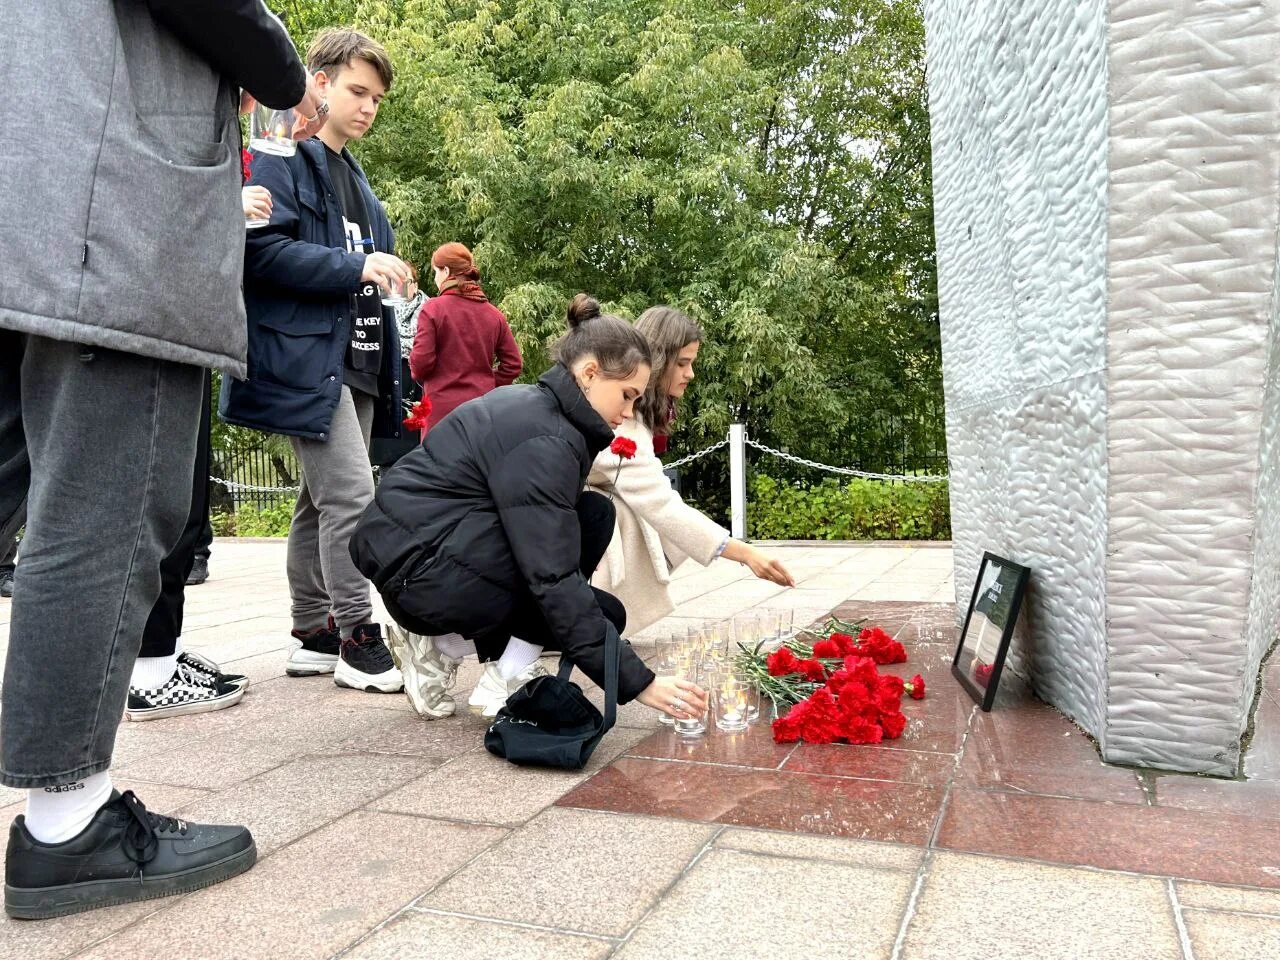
x: 9, y: 546
x: 596, y: 517
x: 164, y: 625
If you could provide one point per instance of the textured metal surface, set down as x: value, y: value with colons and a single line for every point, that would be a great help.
x: 1019, y: 112
x: 1107, y: 182
x: 1192, y: 253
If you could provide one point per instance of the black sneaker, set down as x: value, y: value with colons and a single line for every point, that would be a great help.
x: 366, y: 663
x: 209, y: 671
x: 318, y: 653
x: 6, y: 583
x: 199, y: 572
x: 184, y: 693
x: 126, y: 853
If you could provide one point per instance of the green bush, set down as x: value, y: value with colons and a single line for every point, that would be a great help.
x: 271, y: 521
x: 853, y: 510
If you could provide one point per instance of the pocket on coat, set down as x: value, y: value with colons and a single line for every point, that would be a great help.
x: 295, y: 350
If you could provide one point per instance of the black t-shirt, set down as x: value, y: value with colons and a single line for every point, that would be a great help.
x: 364, y: 352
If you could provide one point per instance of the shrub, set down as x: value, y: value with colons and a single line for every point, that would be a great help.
x: 853, y: 510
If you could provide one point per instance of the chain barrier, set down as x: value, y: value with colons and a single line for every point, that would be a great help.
x: 847, y: 471
x: 694, y: 456
x: 233, y: 487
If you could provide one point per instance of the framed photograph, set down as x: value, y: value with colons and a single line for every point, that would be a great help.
x: 988, y: 627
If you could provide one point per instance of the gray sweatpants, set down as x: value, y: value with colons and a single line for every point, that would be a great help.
x: 101, y: 445
x: 337, y: 484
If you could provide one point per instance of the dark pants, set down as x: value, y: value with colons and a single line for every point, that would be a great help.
x: 596, y: 517
x: 100, y: 445
x: 164, y: 626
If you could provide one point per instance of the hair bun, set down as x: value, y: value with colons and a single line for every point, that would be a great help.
x: 583, y: 308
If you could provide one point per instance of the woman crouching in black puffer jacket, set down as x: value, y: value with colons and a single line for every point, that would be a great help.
x: 484, y: 531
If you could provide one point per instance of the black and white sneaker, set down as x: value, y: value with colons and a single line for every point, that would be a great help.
x: 126, y: 853
x: 365, y: 663
x: 210, y: 671
x: 185, y: 693
x: 318, y: 653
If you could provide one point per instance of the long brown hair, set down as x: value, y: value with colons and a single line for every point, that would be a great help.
x: 668, y: 331
x: 617, y: 346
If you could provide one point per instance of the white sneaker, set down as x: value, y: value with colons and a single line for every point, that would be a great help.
x: 428, y: 673
x: 490, y: 694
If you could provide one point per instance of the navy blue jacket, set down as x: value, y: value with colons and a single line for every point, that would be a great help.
x: 298, y: 281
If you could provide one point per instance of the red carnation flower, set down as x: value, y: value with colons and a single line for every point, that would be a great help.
x: 916, y: 687
x: 982, y: 672
x: 844, y: 642
x: 419, y: 414
x: 782, y: 662
x: 246, y: 162
x: 889, y: 682
x: 859, y: 730
x: 623, y: 447
x: 893, y: 724
x: 813, y: 670
x: 828, y: 649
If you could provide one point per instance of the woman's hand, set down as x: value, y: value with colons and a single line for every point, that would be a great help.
x: 762, y: 565
x: 682, y: 699
x: 256, y: 202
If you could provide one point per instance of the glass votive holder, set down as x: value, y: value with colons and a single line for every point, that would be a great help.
x: 395, y: 294
x: 256, y: 223
x: 270, y: 131
x: 730, y: 699
x: 691, y: 726
x: 746, y: 631
x: 753, y: 701
x: 667, y: 663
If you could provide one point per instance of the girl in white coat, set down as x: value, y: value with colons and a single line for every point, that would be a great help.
x: 656, y: 530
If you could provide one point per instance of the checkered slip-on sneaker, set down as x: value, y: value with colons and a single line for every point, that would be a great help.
x: 186, y: 692
x: 210, y: 671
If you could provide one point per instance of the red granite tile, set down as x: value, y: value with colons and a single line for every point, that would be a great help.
x: 1032, y: 748
x: 1215, y: 847
x: 802, y: 803
x: 754, y: 747
x: 1255, y: 799
x: 872, y: 763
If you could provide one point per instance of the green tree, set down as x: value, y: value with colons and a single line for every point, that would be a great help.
x: 762, y: 164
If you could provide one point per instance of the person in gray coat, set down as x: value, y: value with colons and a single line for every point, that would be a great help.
x: 120, y: 271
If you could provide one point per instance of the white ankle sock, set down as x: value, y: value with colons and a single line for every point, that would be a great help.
x: 152, y: 672
x: 455, y: 646
x: 519, y: 655
x: 56, y: 814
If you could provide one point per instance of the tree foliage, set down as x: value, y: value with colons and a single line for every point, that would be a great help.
x: 762, y: 164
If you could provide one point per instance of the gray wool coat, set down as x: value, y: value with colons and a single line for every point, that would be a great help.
x: 120, y: 217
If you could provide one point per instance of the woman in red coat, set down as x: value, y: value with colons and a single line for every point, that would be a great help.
x: 463, y: 347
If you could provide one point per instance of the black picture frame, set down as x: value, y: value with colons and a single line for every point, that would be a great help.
x: 997, y: 600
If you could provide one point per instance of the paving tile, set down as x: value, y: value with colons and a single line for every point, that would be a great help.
x: 1032, y: 748
x: 803, y: 846
x: 872, y: 763
x: 974, y: 908
x: 575, y: 870
x: 213, y: 763
x: 1218, y: 848
x: 311, y: 899
x: 863, y: 809
x: 416, y: 934
x: 480, y: 787
x: 1230, y: 936
x: 51, y: 939
x: 1242, y: 899
x: 706, y: 913
x: 281, y: 805
x: 753, y: 747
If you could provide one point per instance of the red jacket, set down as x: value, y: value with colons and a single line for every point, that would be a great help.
x: 456, y: 345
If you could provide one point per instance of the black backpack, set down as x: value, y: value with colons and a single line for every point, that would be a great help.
x: 549, y: 722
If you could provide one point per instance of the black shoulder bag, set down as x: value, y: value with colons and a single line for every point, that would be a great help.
x: 549, y: 722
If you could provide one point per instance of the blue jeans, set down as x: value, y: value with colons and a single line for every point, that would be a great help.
x: 100, y: 444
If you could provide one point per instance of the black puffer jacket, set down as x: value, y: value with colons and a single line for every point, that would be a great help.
x: 484, y: 510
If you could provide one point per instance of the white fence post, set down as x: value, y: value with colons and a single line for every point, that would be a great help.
x: 738, y: 480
